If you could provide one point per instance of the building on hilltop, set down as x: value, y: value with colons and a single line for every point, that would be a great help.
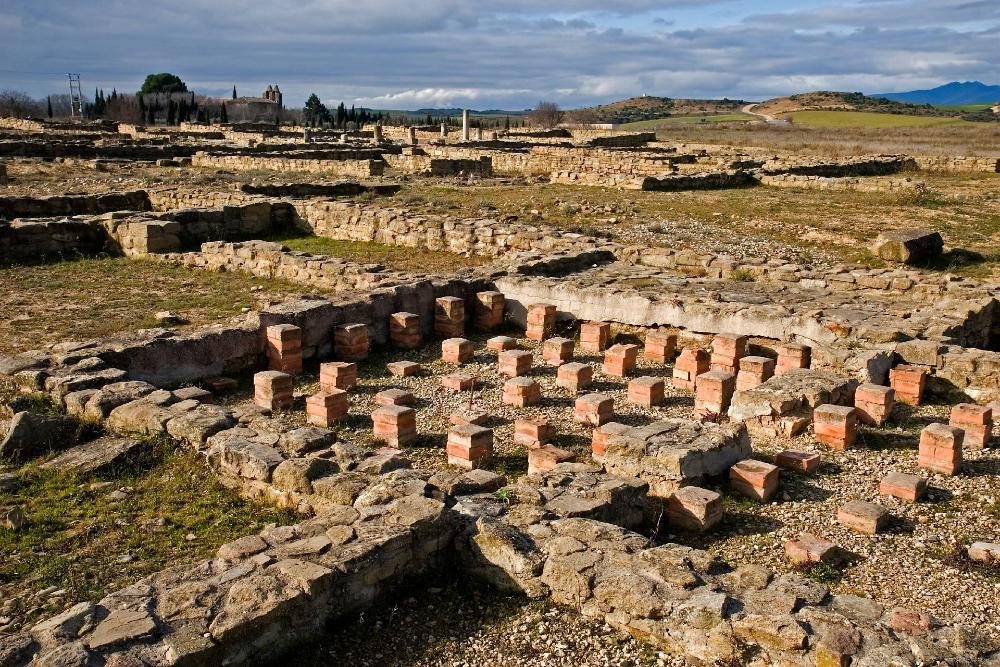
x: 273, y: 93
x: 266, y: 108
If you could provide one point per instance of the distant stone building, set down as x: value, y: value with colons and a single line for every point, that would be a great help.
x: 266, y: 108
x: 273, y: 93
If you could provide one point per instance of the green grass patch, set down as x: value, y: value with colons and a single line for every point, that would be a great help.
x: 682, y: 120
x: 851, y: 119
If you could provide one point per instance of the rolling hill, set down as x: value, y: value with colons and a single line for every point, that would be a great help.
x: 825, y: 100
x: 954, y: 93
x: 650, y: 107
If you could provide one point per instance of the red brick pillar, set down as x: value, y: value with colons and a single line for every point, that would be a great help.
x: 874, y: 403
x: 514, y: 362
x: 791, y: 356
x: 713, y: 393
x: 272, y: 390
x: 337, y: 375
x: 521, y: 392
x: 659, y: 346
x: 727, y: 350
x: 541, y: 321
x: 404, y: 330
x: 646, y: 391
x: 691, y: 363
x: 620, y: 359
x: 941, y: 449
x: 489, y: 310
x: 836, y: 425
x: 557, y: 351
x: 469, y: 446
x: 449, y: 317
x: 594, y: 337
x: 395, y: 424
x: 976, y: 421
x: 754, y: 371
x: 284, y: 348
x: 908, y: 383
x: 457, y: 350
x: 350, y: 342
x: 325, y: 408
x: 532, y: 431
x: 594, y: 409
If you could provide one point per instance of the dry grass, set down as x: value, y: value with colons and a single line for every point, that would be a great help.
x: 397, y: 258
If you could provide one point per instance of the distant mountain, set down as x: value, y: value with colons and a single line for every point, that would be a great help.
x: 956, y: 92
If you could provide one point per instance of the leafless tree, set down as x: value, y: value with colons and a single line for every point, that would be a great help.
x: 546, y: 114
x: 583, y: 116
x: 19, y: 104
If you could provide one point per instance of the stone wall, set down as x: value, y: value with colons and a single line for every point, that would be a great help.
x: 426, y: 165
x: 360, y: 168
x: 28, y: 241
x: 32, y: 207
x: 843, y: 183
x: 958, y: 163
x: 870, y: 165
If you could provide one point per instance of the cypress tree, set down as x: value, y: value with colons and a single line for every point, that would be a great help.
x: 223, y: 117
x: 234, y: 92
x: 49, y: 100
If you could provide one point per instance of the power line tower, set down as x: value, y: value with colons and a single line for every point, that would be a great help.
x: 75, y: 97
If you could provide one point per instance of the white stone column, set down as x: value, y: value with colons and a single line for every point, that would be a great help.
x: 465, y: 124
x: 412, y: 135
x: 479, y: 134
x: 378, y: 133
x: 444, y: 130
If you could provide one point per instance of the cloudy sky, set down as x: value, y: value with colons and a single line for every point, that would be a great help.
x: 501, y: 53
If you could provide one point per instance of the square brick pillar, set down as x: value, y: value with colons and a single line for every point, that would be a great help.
x: 908, y: 383
x: 574, y: 376
x: 620, y: 359
x: 727, y: 350
x: 449, y: 317
x: 691, y: 363
x: 514, y: 362
x: 521, y: 392
x: 489, y: 310
x: 501, y: 343
x: 941, y: 449
x: 754, y: 479
x: 754, y: 371
x: 863, y: 517
x: 458, y: 382
x: 594, y: 337
x: 545, y: 458
x: 532, y: 431
x: 713, y: 393
x: 404, y: 330
x: 457, y: 350
x: 541, y: 321
x: 557, y: 351
x: 337, y: 375
x: 326, y: 408
x: 646, y: 391
x: 594, y: 409
x: 791, y: 356
x: 659, y: 346
x: 469, y: 446
x: 976, y: 421
x: 284, y: 348
x: 810, y: 548
x: 693, y: 508
x: 910, y: 488
x: 836, y: 425
x: 601, y: 435
x: 395, y: 424
x: 874, y: 403
x: 350, y: 342
x: 272, y: 390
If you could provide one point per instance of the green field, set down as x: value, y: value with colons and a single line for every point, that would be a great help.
x: 868, y: 119
x: 678, y: 120
x: 967, y: 108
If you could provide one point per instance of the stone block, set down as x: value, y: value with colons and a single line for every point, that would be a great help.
x: 284, y: 348
x: 545, y: 458
x: 457, y: 350
x: 809, y: 548
x: 594, y: 409
x: 403, y: 369
x: 754, y: 479
x: 350, y: 342
x: 575, y: 376
x: 501, y: 343
x: 532, y: 431
x: 976, y: 421
x: 941, y: 449
x: 753, y: 372
x: 395, y: 424
x: 863, y: 517
x: 694, y: 509
x: 469, y: 446
x: 594, y: 336
x: 514, y: 363
x: 468, y: 416
x: 903, y: 486
x: 557, y: 351
x: 458, y: 382
x: 619, y: 360
x: 727, y: 350
x: 337, y: 375
x: 521, y: 392
x: 601, y: 435
x: 404, y: 330
x: 836, y: 426
x: 394, y: 397
x: 908, y: 383
x: 713, y: 392
x: 272, y: 390
x: 489, y: 310
x: 691, y: 363
x: 646, y: 391
x: 984, y: 552
x: 908, y: 246
x: 806, y: 462
x: 326, y: 408
x: 659, y: 346
x: 792, y: 356
x: 541, y: 321
x: 874, y: 403
x: 220, y: 385
x: 449, y: 317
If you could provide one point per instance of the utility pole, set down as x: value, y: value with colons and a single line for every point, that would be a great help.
x: 75, y: 97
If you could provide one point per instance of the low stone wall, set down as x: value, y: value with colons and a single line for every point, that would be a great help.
x: 717, y: 180
x: 872, y: 165
x: 28, y: 241
x: 542, y: 160
x: 361, y: 168
x: 842, y: 183
x: 958, y: 163
x: 34, y: 207
x: 426, y: 165
x: 305, y: 190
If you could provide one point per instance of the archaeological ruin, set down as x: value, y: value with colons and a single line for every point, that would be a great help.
x: 730, y: 447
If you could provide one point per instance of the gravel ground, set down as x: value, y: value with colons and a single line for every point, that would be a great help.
x: 461, y: 625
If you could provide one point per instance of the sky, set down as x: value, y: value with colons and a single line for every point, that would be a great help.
x: 501, y: 54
